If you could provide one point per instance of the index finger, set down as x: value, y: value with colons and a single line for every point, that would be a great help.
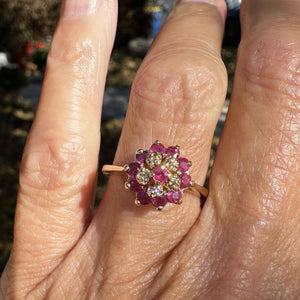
x: 60, y: 159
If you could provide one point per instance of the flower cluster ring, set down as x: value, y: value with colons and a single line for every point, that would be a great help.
x: 158, y: 176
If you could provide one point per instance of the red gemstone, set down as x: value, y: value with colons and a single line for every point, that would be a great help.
x: 174, y: 197
x: 161, y: 175
x: 157, y: 147
x: 170, y: 151
x: 143, y: 197
x: 133, y: 169
x: 184, y: 164
x: 135, y: 186
x: 141, y: 158
x: 185, y: 181
x: 159, y: 201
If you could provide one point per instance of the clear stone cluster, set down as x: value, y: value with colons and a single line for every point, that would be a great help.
x: 159, y: 175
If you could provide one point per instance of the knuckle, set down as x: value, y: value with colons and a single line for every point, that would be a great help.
x: 53, y: 166
x: 64, y: 50
x: 178, y: 83
x: 272, y: 65
x: 78, y: 59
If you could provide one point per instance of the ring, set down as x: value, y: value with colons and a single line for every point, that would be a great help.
x: 158, y: 176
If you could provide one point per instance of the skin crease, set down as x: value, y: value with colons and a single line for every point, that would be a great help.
x: 245, y: 243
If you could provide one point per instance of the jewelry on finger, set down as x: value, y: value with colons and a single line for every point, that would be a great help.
x: 158, y: 176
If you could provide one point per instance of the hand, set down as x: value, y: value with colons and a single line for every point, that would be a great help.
x: 245, y: 243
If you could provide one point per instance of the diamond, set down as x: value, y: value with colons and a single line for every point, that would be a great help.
x: 171, y: 163
x: 143, y: 176
x: 155, y: 190
x: 154, y: 159
x: 174, y: 183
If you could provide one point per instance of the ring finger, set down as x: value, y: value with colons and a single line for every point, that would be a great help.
x: 176, y: 98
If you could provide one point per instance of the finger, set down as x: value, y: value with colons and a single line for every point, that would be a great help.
x: 59, y: 164
x: 177, y: 97
x: 256, y: 176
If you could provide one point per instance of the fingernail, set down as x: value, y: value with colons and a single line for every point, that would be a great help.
x: 74, y: 9
x: 220, y: 4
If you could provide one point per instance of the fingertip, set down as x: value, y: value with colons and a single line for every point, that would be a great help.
x: 76, y: 9
x: 219, y: 4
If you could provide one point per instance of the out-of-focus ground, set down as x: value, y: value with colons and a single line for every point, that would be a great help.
x: 16, y: 117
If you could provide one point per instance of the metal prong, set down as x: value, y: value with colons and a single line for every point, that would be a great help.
x: 160, y: 208
x: 179, y: 172
x: 126, y: 168
x: 137, y: 202
x: 157, y: 142
x: 178, y: 147
x: 192, y: 183
x: 127, y: 185
x: 180, y: 202
x: 139, y: 151
x: 190, y: 163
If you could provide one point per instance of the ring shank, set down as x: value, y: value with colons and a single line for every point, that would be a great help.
x: 109, y: 169
x: 200, y: 189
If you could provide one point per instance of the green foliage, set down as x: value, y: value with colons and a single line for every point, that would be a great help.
x: 12, y: 78
x: 39, y: 57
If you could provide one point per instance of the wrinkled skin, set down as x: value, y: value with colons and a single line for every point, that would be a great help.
x: 244, y: 243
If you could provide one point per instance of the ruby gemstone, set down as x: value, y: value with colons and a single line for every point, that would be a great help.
x: 161, y: 175
x: 174, y: 197
x: 157, y: 147
x: 185, y: 181
x: 184, y: 164
x: 143, y: 197
x: 135, y: 186
x: 141, y: 158
x: 133, y: 169
x: 159, y: 201
x: 170, y: 151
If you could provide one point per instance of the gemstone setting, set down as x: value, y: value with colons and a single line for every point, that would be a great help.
x: 154, y: 159
x: 155, y: 191
x: 143, y: 176
x: 158, y: 175
x: 161, y: 175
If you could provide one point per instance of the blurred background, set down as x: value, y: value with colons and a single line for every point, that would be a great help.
x: 26, y: 29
